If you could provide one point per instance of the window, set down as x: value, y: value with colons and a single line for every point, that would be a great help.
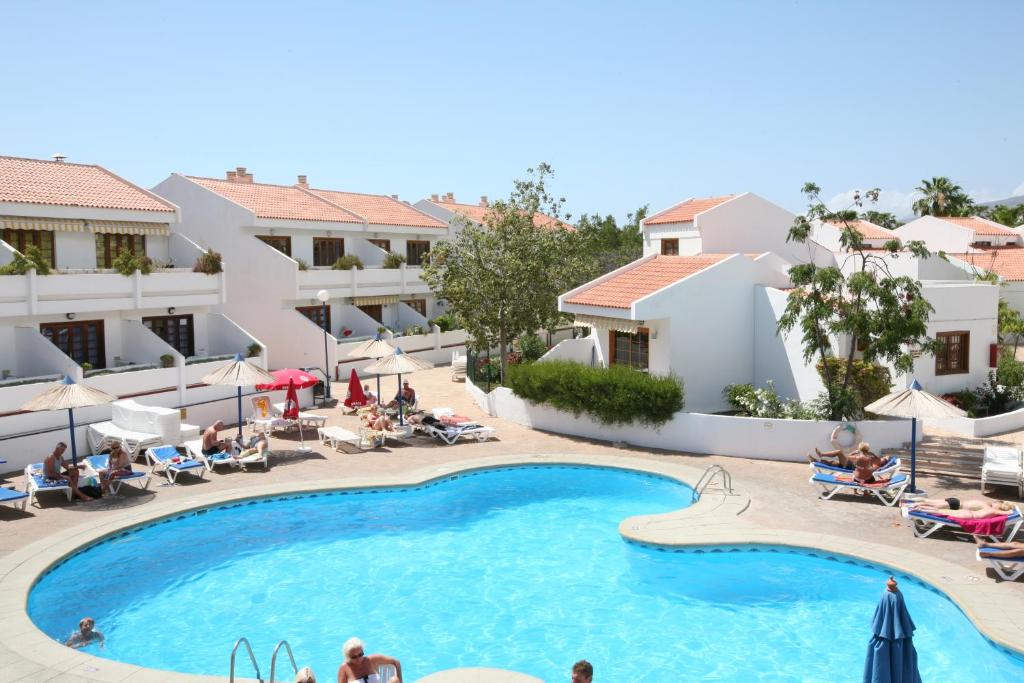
x: 327, y: 250
x: 986, y: 243
x: 20, y: 239
x: 82, y: 341
x: 954, y: 351
x: 630, y: 349
x: 418, y: 305
x: 282, y: 244
x: 176, y: 330
x: 381, y: 244
x: 415, y: 250
x: 109, y: 246
x: 375, y: 311
x: 670, y: 247
x: 316, y: 314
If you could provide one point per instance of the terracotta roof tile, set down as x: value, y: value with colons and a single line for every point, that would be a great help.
x: 1007, y: 262
x: 979, y: 225
x: 278, y: 201
x: 686, y: 211
x: 629, y: 286
x: 476, y: 213
x: 869, y: 231
x: 381, y: 209
x: 35, y: 181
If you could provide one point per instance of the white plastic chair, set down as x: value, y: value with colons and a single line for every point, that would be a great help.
x: 1002, y: 467
x: 386, y: 672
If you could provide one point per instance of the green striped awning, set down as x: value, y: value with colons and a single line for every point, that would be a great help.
x: 128, y: 228
x: 373, y: 300
x: 46, y: 224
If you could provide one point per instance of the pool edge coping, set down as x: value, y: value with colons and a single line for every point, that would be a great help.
x: 712, y: 520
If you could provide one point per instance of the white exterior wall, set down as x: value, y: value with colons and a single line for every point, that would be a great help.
x: 780, y: 358
x: 686, y: 233
x: 937, y: 234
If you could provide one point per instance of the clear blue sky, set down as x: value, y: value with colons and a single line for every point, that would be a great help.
x: 632, y: 103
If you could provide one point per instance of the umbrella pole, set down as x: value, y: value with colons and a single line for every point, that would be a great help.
x: 74, y: 448
x: 913, y: 455
x: 239, y: 413
x: 401, y: 421
x: 378, y: 389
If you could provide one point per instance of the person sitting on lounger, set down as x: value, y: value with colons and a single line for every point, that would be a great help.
x: 370, y: 396
x: 864, y: 470
x: 85, y: 635
x: 56, y: 470
x: 952, y: 504
x: 1002, y: 508
x: 407, y: 394
x: 847, y: 460
x: 212, y: 445
x: 119, y: 465
x: 1013, y: 549
x: 257, y: 445
x: 376, y: 420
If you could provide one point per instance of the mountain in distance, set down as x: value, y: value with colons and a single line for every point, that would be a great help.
x: 1009, y: 201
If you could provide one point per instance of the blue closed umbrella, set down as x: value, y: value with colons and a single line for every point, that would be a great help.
x: 891, y: 654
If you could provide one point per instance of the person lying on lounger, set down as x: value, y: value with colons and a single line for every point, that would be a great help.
x: 1012, y: 549
x: 118, y: 465
x: 953, y: 504
x: 847, y: 460
x: 256, y: 445
x: 999, y: 509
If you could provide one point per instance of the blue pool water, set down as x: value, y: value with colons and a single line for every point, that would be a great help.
x: 519, y: 568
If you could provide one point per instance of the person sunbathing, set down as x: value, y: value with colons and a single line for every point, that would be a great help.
x: 119, y: 465
x: 257, y: 445
x: 1000, y: 509
x: 864, y: 469
x: 847, y: 460
x: 1013, y: 549
x: 951, y: 503
x: 57, y: 471
x: 377, y: 421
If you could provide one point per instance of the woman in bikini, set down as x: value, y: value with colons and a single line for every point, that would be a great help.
x: 360, y: 667
x: 118, y: 465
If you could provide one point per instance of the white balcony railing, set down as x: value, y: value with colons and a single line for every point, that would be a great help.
x: 366, y: 282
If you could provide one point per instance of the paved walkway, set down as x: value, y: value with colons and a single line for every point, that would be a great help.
x: 774, y: 504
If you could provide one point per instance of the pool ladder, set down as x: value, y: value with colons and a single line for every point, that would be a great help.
x: 252, y: 658
x: 707, y: 477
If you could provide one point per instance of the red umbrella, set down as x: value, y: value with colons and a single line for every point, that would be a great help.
x: 301, y: 378
x: 291, y: 403
x: 355, y: 396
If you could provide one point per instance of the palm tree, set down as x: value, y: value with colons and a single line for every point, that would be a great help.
x: 1011, y: 216
x: 942, y: 197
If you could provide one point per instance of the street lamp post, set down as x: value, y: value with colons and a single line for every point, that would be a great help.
x: 323, y: 295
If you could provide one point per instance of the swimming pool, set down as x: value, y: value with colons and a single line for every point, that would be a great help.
x: 519, y: 568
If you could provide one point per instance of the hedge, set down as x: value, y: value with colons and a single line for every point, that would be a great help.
x: 614, y: 395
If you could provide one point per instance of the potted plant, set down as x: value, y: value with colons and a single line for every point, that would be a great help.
x: 167, y: 360
x: 254, y: 350
x: 86, y: 366
x: 209, y: 262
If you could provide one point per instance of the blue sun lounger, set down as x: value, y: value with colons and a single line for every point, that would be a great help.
x: 36, y: 482
x: 1008, y: 568
x: 11, y: 496
x: 888, y: 492
x: 102, y: 462
x: 167, y: 459
x: 891, y: 468
x: 925, y: 524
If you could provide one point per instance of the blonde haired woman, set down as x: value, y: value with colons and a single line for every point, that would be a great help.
x: 360, y: 667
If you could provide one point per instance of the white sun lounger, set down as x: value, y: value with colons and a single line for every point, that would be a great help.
x: 889, y: 492
x: 35, y: 483
x: 924, y: 524
x: 98, y: 463
x: 335, y: 436
x: 1002, y: 466
x: 11, y: 496
x: 891, y: 467
x: 307, y: 419
x: 195, y: 449
x: 166, y: 459
x: 452, y: 433
x: 1008, y: 568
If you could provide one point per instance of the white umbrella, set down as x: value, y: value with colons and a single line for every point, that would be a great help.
x: 913, y: 402
x: 398, y: 363
x: 373, y: 348
x: 67, y: 394
x: 240, y: 373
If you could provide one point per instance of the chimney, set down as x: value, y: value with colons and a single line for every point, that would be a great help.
x: 449, y: 197
x: 302, y: 182
x: 483, y: 200
x: 433, y: 198
x: 60, y: 158
x: 239, y: 175
x: 394, y: 196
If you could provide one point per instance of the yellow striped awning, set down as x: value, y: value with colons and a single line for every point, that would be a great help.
x: 374, y: 300
x: 600, y: 322
x: 128, y: 228
x: 47, y: 224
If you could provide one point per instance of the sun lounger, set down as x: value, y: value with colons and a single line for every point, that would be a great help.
x: 373, y: 438
x: 35, y: 483
x: 888, y: 492
x: 167, y: 459
x: 925, y: 524
x: 1002, y: 466
x: 1008, y: 568
x: 195, y: 449
x: 11, y: 496
x: 452, y: 433
x: 891, y: 468
x: 306, y: 419
x: 335, y: 436
x: 98, y: 463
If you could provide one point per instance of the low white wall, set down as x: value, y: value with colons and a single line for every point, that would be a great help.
x: 981, y: 426
x: 745, y: 437
x: 578, y: 350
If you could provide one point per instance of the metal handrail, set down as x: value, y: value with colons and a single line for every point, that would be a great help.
x: 252, y: 658
x: 707, y: 477
x: 273, y: 659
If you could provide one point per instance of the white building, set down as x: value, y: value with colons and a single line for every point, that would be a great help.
x: 150, y: 337
x: 280, y: 243
x: 705, y: 300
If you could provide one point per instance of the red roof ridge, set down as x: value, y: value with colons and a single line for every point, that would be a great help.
x: 404, y: 205
x: 642, y: 278
x: 702, y: 204
x: 347, y: 210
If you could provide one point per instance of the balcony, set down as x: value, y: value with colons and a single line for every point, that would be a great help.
x: 106, y: 290
x: 367, y: 282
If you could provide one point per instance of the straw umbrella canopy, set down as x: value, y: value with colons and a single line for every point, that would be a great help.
x: 373, y: 348
x: 398, y: 363
x: 913, y: 402
x: 240, y: 373
x: 67, y: 394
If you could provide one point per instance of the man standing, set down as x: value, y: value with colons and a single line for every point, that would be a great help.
x: 582, y: 672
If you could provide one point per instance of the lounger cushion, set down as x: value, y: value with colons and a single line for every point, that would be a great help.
x: 8, y: 495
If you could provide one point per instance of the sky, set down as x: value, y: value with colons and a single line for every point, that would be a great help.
x: 631, y: 103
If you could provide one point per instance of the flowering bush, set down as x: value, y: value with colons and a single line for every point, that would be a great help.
x: 994, y: 398
x: 752, y: 402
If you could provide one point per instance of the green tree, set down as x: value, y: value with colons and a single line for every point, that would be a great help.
x: 857, y: 304
x: 609, y: 246
x: 942, y: 197
x: 1011, y: 216
x: 882, y: 218
x: 502, y: 279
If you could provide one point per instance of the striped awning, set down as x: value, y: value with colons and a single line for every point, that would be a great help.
x: 47, y: 224
x: 374, y: 300
x: 600, y: 322
x: 128, y: 228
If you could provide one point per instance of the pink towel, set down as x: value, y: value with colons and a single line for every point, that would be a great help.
x: 989, y: 526
x: 454, y: 419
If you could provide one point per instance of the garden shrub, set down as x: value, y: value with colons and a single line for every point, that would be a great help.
x: 613, y: 395
x: 393, y: 260
x: 413, y: 329
x: 302, y: 264
x: 209, y: 262
x: 23, y: 262
x: 751, y: 402
x: 1010, y: 373
x: 532, y: 347
x: 447, y: 322
x: 869, y: 382
x: 347, y: 261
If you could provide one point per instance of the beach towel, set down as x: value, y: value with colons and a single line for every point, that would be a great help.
x: 989, y: 526
x: 455, y: 419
